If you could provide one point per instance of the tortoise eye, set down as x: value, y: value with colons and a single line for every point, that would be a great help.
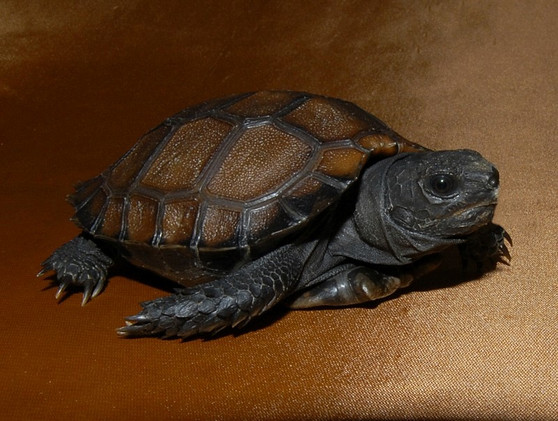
x: 443, y: 184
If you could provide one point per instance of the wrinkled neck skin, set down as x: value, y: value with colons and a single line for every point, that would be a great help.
x: 376, y: 238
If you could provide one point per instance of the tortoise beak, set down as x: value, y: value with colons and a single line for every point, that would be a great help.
x: 494, y: 179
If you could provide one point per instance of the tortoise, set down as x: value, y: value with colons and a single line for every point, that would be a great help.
x: 276, y: 195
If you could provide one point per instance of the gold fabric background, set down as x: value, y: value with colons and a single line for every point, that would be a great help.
x: 80, y: 81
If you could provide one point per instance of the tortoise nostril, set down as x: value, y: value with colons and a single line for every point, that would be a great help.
x: 494, y: 179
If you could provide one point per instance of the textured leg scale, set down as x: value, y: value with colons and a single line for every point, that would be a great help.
x: 487, y: 247
x: 231, y: 301
x: 79, y: 262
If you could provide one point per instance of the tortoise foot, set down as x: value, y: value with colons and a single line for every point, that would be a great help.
x: 81, y: 263
x: 190, y: 312
x: 487, y: 247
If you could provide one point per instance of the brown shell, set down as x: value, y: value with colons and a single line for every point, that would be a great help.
x: 215, y: 182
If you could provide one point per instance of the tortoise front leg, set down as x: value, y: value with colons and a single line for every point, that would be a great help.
x: 231, y: 301
x: 79, y: 262
x: 360, y: 284
x: 487, y: 247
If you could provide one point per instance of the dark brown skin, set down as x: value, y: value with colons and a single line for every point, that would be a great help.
x: 214, y: 196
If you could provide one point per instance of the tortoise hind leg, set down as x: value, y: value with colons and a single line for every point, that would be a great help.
x: 79, y: 262
x: 360, y: 284
x: 355, y: 285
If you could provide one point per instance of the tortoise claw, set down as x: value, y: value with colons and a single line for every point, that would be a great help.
x: 136, y: 318
x: 136, y: 325
x: 98, y: 289
x: 507, y: 237
x: 61, y: 289
x: 81, y: 263
x: 43, y: 271
x: 505, y: 252
x: 86, y: 294
x: 504, y: 261
x: 504, y: 255
x: 487, y: 247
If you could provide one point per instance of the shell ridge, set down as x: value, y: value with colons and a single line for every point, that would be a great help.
x: 243, y: 233
x: 158, y: 234
x: 221, y: 152
x: 131, y: 150
x: 152, y: 157
x: 197, y: 229
x: 95, y: 226
x: 294, y: 104
x: 199, y: 111
x: 78, y: 205
x: 296, y: 131
x: 219, y: 156
x: 236, y: 130
x: 313, y: 158
x: 336, y: 183
x: 233, y: 100
x: 291, y: 211
x: 124, y: 217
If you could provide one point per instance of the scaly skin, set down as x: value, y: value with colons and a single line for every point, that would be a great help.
x: 487, y: 247
x: 229, y: 301
x: 232, y: 301
x: 79, y: 262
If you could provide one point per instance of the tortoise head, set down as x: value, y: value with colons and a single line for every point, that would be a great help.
x: 444, y: 193
x: 415, y: 204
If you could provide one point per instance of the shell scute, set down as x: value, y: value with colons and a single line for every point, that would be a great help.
x: 267, y: 221
x: 89, y: 212
x: 185, y: 155
x: 310, y: 196
x: 327, y: 120
x: 343, y: 163
x: 125, y: 170
x: 111, y: 223
x: 141, y: 219
x: 262, y: 159
x: 220, y: 228
x: 178, y: 222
